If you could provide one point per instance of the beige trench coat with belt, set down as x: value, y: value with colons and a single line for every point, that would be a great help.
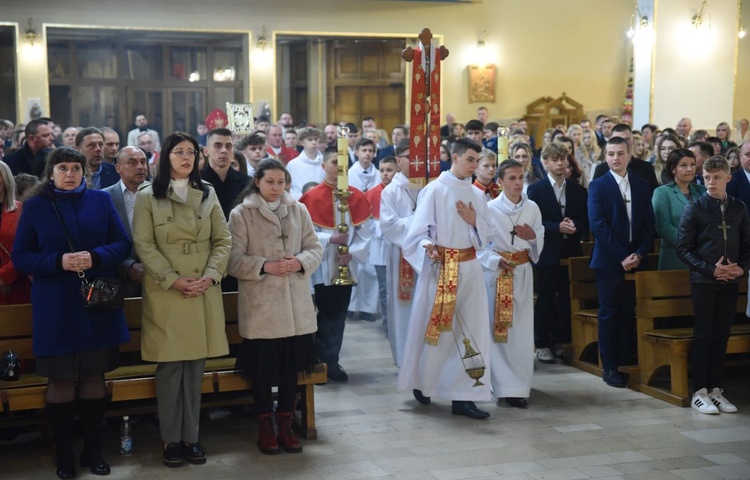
x: 173, y: 239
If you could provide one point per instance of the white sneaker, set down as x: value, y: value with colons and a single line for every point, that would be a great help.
x: 702, y: 403
x: 724, y: 405
x: 545, y: 355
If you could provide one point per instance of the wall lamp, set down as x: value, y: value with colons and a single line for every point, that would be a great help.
x: 262, y: 41
x: 637, y: 21
x: 30, y: 36
x: 698, y: 19
x: 482, y: 42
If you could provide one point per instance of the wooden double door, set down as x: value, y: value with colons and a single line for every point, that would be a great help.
x: 366, y: 78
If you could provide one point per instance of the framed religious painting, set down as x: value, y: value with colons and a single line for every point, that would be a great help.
x: 482, y: 83
x: 240, y: 118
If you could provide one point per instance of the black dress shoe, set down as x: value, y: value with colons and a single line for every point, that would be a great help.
x: 336, y: 373
x: 194, y: 453
x: 468, y: 409
x: 613, y: 379
x: 517, y: 402
x: 173, y: 456
x: 66, y: 473
x: 96, y: 462
x: 421, y: 398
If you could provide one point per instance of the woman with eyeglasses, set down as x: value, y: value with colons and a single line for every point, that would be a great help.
x: 182, y: 238
x: 666, y: 145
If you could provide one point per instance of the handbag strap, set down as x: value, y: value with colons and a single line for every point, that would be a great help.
x: 81, y: 274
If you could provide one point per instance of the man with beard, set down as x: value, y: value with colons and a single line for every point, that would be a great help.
x: 141, y: 123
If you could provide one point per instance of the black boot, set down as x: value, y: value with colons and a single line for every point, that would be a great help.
x: 91, y: 413
x: 60, y: 417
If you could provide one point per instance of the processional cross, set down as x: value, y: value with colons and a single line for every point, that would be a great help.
x: 424, y: 110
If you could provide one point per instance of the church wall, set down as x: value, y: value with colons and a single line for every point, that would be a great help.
x: 542, y: 47
x: 742, y: 85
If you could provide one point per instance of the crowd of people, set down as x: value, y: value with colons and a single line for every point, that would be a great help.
x: 451, y: 268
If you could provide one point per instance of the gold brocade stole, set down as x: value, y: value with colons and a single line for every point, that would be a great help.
x: 504, y: 296
x: 441, y: 317
x: 405, y: 280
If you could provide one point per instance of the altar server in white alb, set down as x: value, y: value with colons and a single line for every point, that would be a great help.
x: 364, y: 176
x: 516, y: 240
x: 397, y: 204
x: 305, y: 168
x: 450, y: 302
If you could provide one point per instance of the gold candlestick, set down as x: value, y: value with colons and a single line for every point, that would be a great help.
x: 343, y: 276
x: 502, y: 144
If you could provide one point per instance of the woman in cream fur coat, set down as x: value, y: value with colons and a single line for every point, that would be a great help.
x: 274, y: 252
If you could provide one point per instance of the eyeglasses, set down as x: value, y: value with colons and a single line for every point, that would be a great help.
x: 184, y: 153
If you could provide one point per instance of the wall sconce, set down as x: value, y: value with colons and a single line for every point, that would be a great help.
x: 698, y: 19
x: 262, y: 40
x: 742, y: 32
x: 30, y: 36
x: 482, y: 42
x: 637, y: 21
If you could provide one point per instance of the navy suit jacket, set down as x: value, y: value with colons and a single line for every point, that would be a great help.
x: 390, y: 150
x: 738, y: 187
x: 555, y: 246
x: 608, y: 219
x: 108, y: 176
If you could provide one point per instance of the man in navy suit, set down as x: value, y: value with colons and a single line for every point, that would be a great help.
x: 565, y: 219
x: 636, y: 166
x: 99, y: 174
x: 739, y: 185
x: 399, y: 133
x: 622, y: 223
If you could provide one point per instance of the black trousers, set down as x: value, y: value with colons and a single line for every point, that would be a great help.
x: 552, y: 308
x: 715, y: 305
x: 332, y: 302
x: 616, y: 318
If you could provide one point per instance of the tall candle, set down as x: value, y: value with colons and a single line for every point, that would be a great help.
x: 502, y: 144
x: 342, y: 182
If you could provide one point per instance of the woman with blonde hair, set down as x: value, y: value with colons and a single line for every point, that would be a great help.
x: 640, y: 148
x: 588, y: 154
x: 724, y: 132
x: 521, y: 152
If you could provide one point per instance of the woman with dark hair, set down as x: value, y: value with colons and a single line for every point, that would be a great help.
x: 67, y: 230
x: 670, y: 200
x: 664, y: 146
x: 15, y: 287
x: 181, y: 237
x: 274, y: 251
x: 573, y: 170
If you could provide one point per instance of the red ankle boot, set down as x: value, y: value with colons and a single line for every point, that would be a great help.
x: 266, y: 437
x: 287, y: 439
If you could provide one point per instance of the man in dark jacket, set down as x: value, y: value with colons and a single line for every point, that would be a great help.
x: 99, y: 174
x: 30, y: 158
x: 714, y: 241
x: 636, y: 166
x: 565, y: 219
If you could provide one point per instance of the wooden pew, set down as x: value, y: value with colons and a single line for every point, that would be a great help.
x: 664, y: 295
x: 584, y: 312
x: 134, y: 380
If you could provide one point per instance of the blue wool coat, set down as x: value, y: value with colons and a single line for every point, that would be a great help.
x: 62, y: 324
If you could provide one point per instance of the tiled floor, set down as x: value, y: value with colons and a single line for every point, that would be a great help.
x: 576, y: 427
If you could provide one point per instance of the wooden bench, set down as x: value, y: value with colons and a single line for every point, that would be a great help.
x: 134, y: 380
x: 584, y: 312
x: 664, y: 295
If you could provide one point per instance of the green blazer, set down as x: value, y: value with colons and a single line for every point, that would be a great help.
x: 669, y: 203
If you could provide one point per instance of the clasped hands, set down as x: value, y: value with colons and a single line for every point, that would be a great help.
x: 728, y: 271
x: 283, y: 266
x: 76, y: 261
x: 192, y: 287
x: 567, y: 226
x: 631, y: 262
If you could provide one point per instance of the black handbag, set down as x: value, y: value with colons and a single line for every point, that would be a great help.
x: 104, y: 292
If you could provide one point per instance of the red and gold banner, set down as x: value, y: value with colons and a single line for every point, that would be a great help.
x: 441, y: 317
x: 405, y: 280
x: 424, y: 141
x: 504, y: 296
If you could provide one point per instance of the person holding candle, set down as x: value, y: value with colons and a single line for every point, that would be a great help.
x: 332, y: 300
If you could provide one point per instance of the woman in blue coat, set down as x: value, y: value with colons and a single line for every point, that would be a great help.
x: 74, y: 346
x: 670, y: 200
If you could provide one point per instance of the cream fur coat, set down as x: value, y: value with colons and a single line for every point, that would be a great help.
x: 271, y: 306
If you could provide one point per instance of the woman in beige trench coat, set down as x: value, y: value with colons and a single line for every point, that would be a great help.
x: 181, y: 236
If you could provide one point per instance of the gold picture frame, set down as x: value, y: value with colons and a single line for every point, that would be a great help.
x: 482, y: 83
x: 241, y: 119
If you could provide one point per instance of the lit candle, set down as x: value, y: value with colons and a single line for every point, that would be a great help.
x: 502, y: 144
x: 342, y: 182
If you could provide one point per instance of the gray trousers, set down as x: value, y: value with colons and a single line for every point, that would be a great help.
x: 178, y: 397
